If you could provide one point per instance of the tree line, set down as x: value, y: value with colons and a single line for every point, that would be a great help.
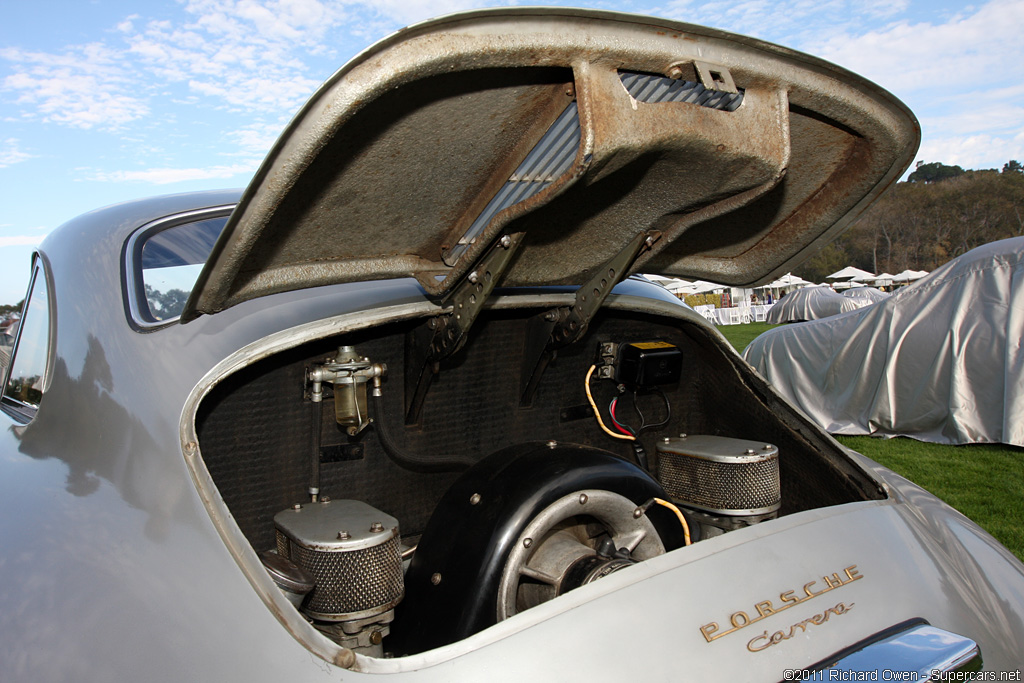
x: 939, y: 213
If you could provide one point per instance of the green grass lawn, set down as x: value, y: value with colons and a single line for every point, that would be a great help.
x: 983, y: 481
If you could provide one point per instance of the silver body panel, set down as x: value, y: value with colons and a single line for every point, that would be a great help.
x: 121, y: 561
x: 113, y: 568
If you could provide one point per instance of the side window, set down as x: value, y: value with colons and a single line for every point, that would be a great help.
x: 26, y: 380
x: 164, y: 261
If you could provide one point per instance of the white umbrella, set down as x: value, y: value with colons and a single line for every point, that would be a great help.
x: 908, y: 276
x: 788, y: 280
x: 850, y: 273
x: 883, y: 279
x: 701, y: 286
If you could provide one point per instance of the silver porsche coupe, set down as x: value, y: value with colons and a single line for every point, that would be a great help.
x: 397, y: 410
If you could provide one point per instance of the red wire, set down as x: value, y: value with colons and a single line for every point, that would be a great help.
x: 615, y: 423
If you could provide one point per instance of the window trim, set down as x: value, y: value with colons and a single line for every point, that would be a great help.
x: 19, y: 410
x: 134, y: 285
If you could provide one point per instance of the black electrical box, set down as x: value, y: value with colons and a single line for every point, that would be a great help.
x: 648, y: 364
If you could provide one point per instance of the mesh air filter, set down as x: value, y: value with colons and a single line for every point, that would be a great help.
x: 351, y: 550
x: 721, y: 475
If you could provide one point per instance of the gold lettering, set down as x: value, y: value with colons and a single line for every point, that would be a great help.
x: 735, y: 617
x: 832, y: 581
x: 765, y: 608
x: 764, y: 641
x: 764, y: 637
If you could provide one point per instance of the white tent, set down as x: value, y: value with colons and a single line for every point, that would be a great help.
x: 788, y: 280
x: 883, y: 280
x: 850, y: 273
x: 909, y: 275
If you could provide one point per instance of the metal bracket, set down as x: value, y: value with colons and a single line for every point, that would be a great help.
x: 446, y: 333
x: 467, y: 299
x: 565, y: 325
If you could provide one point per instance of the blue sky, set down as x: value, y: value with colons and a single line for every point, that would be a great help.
x: 107, y: 100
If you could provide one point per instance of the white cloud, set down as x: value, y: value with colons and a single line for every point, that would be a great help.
x: 164, y: 176
x: 85, y: 87
x: 21, y: 240
x: 970, y: 51
x: 404, y: 12
x: 11, y: 154
x: 972, y: 151
x: 257, y: 138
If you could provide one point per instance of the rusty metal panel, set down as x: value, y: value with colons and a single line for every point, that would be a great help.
x: 401, y: 164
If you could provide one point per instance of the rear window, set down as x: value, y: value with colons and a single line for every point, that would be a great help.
x: 165, y: 258
x: 23, y: 389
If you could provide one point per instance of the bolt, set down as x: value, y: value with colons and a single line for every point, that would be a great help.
x: 474, y: 499
x: 767, y: 447
x: 666, y: 440
x: 675, y: 72
x: 749, y: 451
x: 506, y: 241
x: 527, y: 542
x: 638, y: 513
x: 376, y: 638
x: 325, y: 499
x: 343, y: 536
x: 583, y: 499
x: 190, y: 447
x: 552, y: 444
x: 376, y: 527
x: 682, y: 436
x: 474, y: 277
x: 297, y: 506
x: 435, y: 578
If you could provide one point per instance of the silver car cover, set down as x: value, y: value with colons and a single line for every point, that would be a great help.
x: 939, y: 361
x: 812, y: 303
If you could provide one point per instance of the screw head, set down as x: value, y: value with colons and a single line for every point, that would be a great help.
x: 552, y: 444
x: 343, y: 536
x: 297, y: 506
x: 376, y: 527
x: 435, y: 578
x: 527, y: 542
x: 474, y: 499
x: 583, y: 499
x: 506, y: 241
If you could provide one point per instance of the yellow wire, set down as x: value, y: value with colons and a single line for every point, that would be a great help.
x: 682, y: 520
x: 597, y: 413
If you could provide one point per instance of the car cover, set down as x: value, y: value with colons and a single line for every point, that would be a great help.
x: 938, y: 361
x: 812, y: 303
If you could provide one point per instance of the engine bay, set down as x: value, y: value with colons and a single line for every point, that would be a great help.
x: 399, y: 515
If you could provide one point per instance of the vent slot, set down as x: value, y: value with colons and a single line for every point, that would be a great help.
x: 653, y: 89
x: 550, y: 157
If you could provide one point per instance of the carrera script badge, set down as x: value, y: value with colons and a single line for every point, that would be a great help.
x: 787, y: 599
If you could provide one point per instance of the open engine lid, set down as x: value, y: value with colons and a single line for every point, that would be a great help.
x: 574, y: 132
